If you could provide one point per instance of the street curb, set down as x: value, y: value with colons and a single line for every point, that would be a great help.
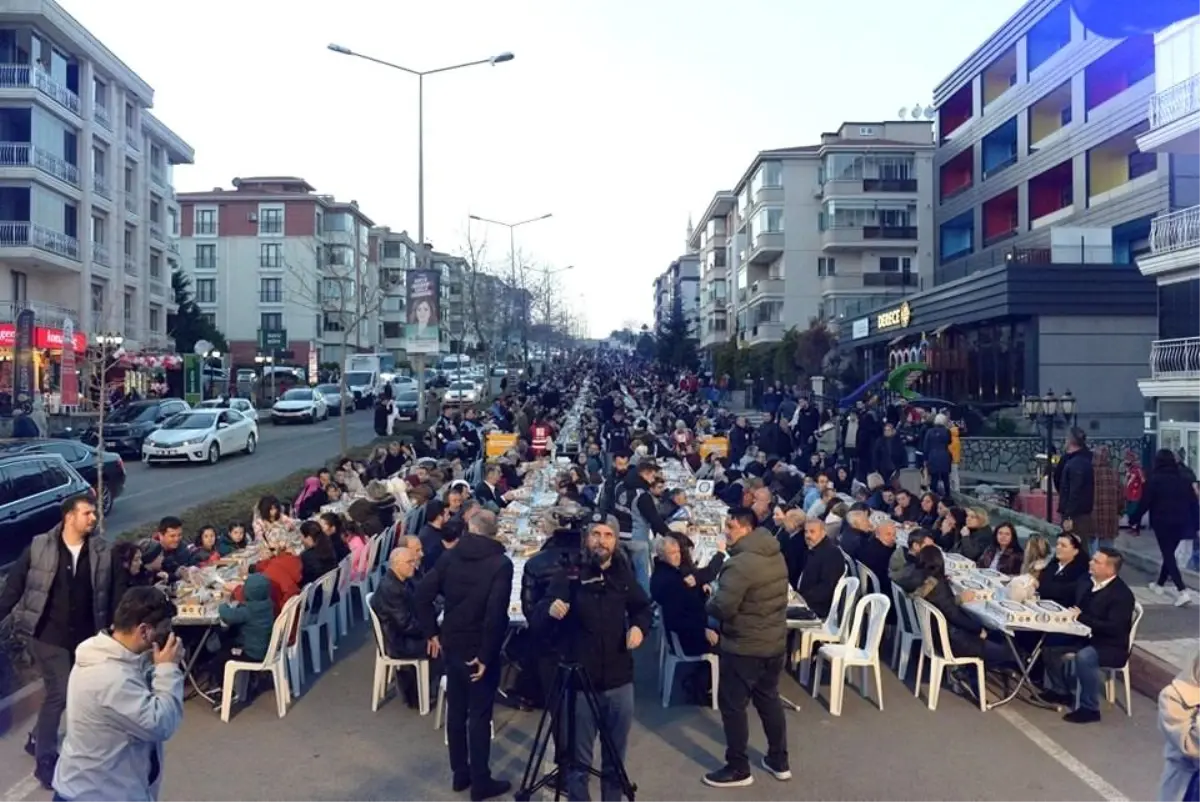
x: 1148, y: 673
x: 17, y: 707
x: 1148, y: 564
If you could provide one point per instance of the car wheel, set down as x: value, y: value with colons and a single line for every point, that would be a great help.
x: 214, y: 454
x: 106, y: 500
x: 251, y: 443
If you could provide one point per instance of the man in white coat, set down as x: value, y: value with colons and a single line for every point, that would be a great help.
x: 124, y: 700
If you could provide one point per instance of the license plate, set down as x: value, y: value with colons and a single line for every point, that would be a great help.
x: 110, y: 443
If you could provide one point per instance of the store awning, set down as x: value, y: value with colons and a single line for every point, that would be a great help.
x: 942, y: 329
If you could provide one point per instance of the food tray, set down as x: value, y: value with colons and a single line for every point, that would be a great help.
x: 1051, y: 612
x: 957, y: 564
x: 993, y: 576
x: 984, y: 591
x: 1010, y: 612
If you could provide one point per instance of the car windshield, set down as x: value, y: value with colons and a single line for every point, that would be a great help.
x: 462, y: 386
x: 406, y: 397
x: 213, y: 403
x: 327, y: 389
x: 358, y: 379
x: 134, y: 413
x: 191, y: 420
x: 297, y: 395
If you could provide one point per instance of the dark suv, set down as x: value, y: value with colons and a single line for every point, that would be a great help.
x: 126, y: 427
x: 32, y: 490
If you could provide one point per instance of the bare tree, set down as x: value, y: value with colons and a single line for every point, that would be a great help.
x: 334, y: 282
x: 105, y: 350
x: 480, y: 297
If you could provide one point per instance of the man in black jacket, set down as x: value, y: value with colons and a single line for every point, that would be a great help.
x: 1105, y: 606
x: 475, y: 579
x: 890, y: 454
x: 856, y: 530
x: 876, y: 554
x: 1077, y: 487
x: 394, y: 603
x: 431, y: 534
x: 823, y: 569
x: 487, y: 492
x: 586, y: 617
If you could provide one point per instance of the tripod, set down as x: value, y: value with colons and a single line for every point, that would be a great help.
x: 571, y: 681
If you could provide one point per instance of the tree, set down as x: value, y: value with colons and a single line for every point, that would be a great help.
x: 187, y: 324
x: 675, y: 345
x: 331, y: 282
x: 479, y: 296
x: 646, y: 347
x: 812, y: 346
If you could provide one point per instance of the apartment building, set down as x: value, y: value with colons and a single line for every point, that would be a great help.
x: 1172, y: 389
x: 678, y: 289
x: 281, y: 269
x: 88, y: 215
x: 1039, y: 128
x: 710, y: 242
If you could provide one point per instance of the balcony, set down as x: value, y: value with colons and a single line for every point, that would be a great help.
x: 173, y: 246
x: 100, y: 186
x: 131, y: 203
x: 24, y: 154
x: 100, y: 254
x: 766, y: 287
x: 770, y: 195
x: 51, y: 315
x: 766, y: 248
x: 876, y: 236
x: 100, y: 114
x: 770, y: 331
x: 158, y: 177
x: 131, y: 267
x: 132, y: 140
x: 271, y: 297
x: 23, y: 234
x: 22, y: 76
x: 157, y: 287
x: 889, y: 185
x: 1174, y: 239
x: 1174, y: 119
x: 156, y: 232
x: 1175, y: 359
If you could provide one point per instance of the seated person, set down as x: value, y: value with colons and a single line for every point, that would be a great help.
x: 283, y: 570
x: 1060, y: 580
x: 906, y: 510
x: 680, y: 598
x: 822, y: 570
x: 978, y: 536
x: 313, y: 496
x: 170, y: 537
x: 902, y: 568
x: 318, y: 557
x: 269, y: 517
x: 791, y: 542
x: 1105, y: 606
x: 250, y: 620
x: 488, y: 490
x: 394, y: 606
x: 876, y: 554
x: 234, y: 539
x: 855, y: 531
x: 203, y: 550
x: 1004, y: 555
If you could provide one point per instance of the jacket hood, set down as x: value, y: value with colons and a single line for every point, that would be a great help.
x: 760, y: 542
x: 478, y: 547
x: 104, y: 649
x: 257, y: 588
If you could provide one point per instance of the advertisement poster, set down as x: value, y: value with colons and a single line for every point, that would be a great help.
x: 421, y: 335
x: 313, y: 367
x: 193, y: 373
x: 70, y: 379
x: 23, y: 385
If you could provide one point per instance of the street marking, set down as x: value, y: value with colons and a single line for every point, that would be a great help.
x: 22, y: 789
x: 1105, y: 789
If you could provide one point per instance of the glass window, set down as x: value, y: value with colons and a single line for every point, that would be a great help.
x: 270, y: 254
x: 270, y: 221
x: 768, y: 175
x: 206, y: 256
x: 856, y: 166
x: 768, y: 220
x: 856, y: 214
x: 206, y: 291
x: 271, y: 321
x: 206, y: 221
x: 1179, y: 310
x: 339, y: 221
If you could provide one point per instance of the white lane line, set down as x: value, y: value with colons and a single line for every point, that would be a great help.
x: 1051, y: 747
x: 22, y: 789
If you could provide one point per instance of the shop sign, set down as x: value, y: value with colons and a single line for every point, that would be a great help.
x: 713, y: 445
x: 272, y: 339
x: 862, y: 327
x: 193, y: 390
x: 498, y: 443
x: 23, y: 388
x: 69, y: 383
x: 312, y: 362
x: 44, y: 339
x: 899, y: 317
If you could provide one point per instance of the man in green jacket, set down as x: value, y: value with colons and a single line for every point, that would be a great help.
x: 750, y: 605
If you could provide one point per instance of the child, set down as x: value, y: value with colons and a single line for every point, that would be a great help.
x: 234, y: 539
x: 251, y: 621
x: 204, y: 548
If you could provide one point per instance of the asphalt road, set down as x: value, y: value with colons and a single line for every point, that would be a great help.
x: 151, y: 493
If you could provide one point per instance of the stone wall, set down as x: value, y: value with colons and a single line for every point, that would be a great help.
x: 1015, y: 455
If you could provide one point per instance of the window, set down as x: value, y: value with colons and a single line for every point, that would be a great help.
x: 100, y: 94
x: 156, y: 159
x: 768, y: 221
x: 889, y: 264
x: 206, y: 290
x: 332, y: 322
x: 130, y: 116
x: 155, y: 211
x: 393, y: 250
x: 270, y: 221
x: 393, y: 330
x: 270, y: 290
x: 129, y: 236
x: 855, y: 166
x: 339, y: 221
x: 1141, y: 164
x: 271, y: 321
x: 99, y: 227
x: 155, y: 265
x: 173, y: 218
x: 341, y: 255
x: 768, y: 175
x: 866, y: 130
x: 206, y: 221
x: 826, y: 266
x: 270, y: 254
x: 155, y: 315
x: 25, y: 479
x: 129, y: 307
x: 206, y: 257
x: 98, y: 301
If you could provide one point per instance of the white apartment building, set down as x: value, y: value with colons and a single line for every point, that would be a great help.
x: 282, y: 270
x: 88, y: 214
x: 678, y: 287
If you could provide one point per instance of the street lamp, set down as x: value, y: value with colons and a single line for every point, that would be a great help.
x: 1046, y: 413
x: 262, y: 360
x: 423, y: 252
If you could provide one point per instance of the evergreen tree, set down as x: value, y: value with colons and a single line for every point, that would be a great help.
x: 187, y: 324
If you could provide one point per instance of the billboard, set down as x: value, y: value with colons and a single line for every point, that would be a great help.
x: 23, y: 379
x: 421, y: 334
x: 69, y: 382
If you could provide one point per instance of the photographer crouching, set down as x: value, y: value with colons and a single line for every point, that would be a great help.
x: 597, y: 601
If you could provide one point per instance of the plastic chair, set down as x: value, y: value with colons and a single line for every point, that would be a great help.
x: 835, y: 628
x: 294, y: 648
x: 273, y: 662
x: 1111, y: 674
x: 343, y: 591
x: 841, y: 656
x: 673, y: 656
x: 908, y: 631
x: 323, y: 618
x: 384, y: 666
x: 941, y: 655
x: 439, y: 717
x: 359, y: 588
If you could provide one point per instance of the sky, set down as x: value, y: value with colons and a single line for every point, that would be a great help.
x: 619, y: 118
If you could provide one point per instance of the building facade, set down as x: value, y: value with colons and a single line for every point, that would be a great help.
x: 282, y: 270
x: 710, y: 242
x: 88, y: 215
x: 678, y: 289
x: 1039, y: 128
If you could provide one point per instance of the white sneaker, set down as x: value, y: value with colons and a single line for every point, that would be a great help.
x: 1157, y: 588
x: 1184, y: 598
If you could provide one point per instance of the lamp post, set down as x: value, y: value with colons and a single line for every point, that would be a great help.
x: 512, y: 259
x: 262, y: 360
x: 1046, y: 413
x: 110, y: 344
x: 423, y: 251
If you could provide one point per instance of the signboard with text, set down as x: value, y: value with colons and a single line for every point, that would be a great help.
x: 713, y: 445
x: 499, y: 442
x: 861, y: 328
x: 897, y: 318
x: 193, y: 388
x: 272, y: 339
x: 23, y: 378
x: 422, y: 334
x: 69, y: 381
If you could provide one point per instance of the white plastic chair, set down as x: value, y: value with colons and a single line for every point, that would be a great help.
x: 673, y: 656
x: 358, y: 588
x: 325, y: 618
x: 439, y: 717
x: 341, y: 609
x: 1111, y: 674
x: 835, y: 628
x: 908, y: 631
x: 294, y: 648
x: 384, y: 666
x: 873, y: 607
x: 273, y: 661
x: 941, y: 655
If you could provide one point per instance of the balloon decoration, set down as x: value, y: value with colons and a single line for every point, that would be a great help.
x: 156, y: 362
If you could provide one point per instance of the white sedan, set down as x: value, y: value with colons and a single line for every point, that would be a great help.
x: 461, y: 392
x: 300, y: 404
x: 201, y: 435
x: 240, y: 404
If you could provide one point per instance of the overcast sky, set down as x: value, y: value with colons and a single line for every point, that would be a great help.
x: 619, y: 117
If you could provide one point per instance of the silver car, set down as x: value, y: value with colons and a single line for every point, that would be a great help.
x: 335, y: 399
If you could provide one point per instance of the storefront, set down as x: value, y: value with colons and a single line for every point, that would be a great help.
x: 997, y: 335
x: 48, y: 346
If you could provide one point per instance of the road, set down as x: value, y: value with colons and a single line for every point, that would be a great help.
x: 151, y: 493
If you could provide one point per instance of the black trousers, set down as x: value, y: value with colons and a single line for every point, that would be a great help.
x: 54, y: 663
x: 469, y: 719
x: 745, y: 680
x: 939, y: 480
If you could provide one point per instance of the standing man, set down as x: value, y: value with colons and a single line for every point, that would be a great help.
x: 120, y: 711
x: 1077, y: 488
x: 475, y: 579
x: 58, y: 594
x: 750, y: 604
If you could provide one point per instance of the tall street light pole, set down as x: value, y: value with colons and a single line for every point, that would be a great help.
x: 423, y: 250
x: 512, y: 258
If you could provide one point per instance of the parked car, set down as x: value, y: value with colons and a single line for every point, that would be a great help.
x: 299, y: 404
x: 201, y: 435
x: 336, y: 400
x: 126, y: 427
x: 80, y: 457
x: 32, y: 490
x: 406, y: 403
x: 241, y: 405
x: 461, y: 393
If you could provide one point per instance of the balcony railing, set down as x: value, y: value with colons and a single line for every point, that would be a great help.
x: 23, y: 234
x: 271, y: 297
x: 158, y: 177
x: 131, y: 203
x: 24, y: 154
x: 1175, y: 103
x: 889, y: 232
x: 1176, y: 231
x: 101, y: 115
x: 156, y: 232
x: 100, y: 254
x: 156, y: 287
x: 100, y: 186
x: 51, y: 315
x: 173, y: 246
x: 1175, y: 359
x: 131, y: 139
x: 130, y: 265
x: 889, y: 185
x: 26, y: 75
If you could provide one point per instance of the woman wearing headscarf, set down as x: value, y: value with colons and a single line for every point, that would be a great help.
x: 1179, y: 722
x: 1107, y: 497
x: 311, y: 499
